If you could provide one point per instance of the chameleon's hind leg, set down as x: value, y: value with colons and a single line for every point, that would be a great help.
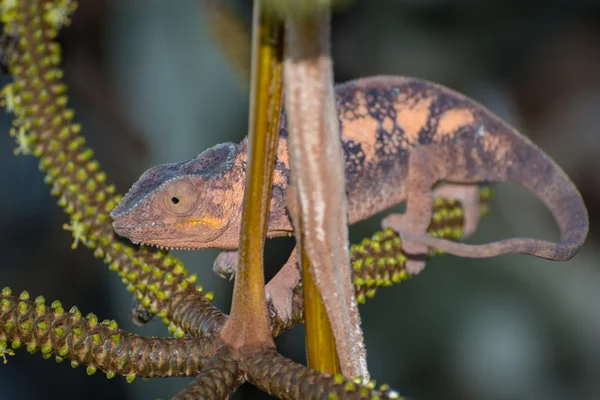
x: 425, y: 168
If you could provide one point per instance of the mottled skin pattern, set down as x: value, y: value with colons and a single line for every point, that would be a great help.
x: 400, y: 137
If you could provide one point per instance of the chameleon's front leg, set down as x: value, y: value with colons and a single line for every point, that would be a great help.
x: 279, y: 290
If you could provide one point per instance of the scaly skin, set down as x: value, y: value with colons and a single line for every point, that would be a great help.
x: 400, y: 136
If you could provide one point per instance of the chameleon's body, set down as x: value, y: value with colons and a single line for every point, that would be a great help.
x: 400, y: 136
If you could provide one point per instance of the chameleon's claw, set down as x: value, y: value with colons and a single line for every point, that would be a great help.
x: 226, y: 263
x: 415, y: 252
x: 414, y: 266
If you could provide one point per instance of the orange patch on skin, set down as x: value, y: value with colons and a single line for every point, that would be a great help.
x: 210, y: 222
x: 491, y: 143
x: 388, y: 124
x: 496, y: 145
x: 362, y: 129
x: 452, y: 120
x: 361, y: 108
x: 412, y: 118
x: 283, y: 157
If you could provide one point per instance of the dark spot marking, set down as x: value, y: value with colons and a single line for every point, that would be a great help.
x: 346, y: 102
x: 283, y: 169
x: 283, y: 131
x: 354, y: 159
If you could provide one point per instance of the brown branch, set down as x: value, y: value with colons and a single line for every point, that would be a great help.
x: 192, y: 312
x: 97, y: 344
x: 290, y: 380
x: 318, y: 199
x: 218, y: 380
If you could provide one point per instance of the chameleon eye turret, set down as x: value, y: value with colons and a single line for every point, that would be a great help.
x: 179, y: 198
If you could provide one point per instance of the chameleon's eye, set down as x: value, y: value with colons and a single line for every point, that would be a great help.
x: 180, y: 197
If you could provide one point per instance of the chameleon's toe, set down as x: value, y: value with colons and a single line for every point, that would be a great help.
x: 225, y: 264
x: 281, y: 300
x: 414, y: 266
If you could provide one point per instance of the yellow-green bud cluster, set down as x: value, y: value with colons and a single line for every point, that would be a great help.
x: 100, y: 345
x: 379, y: 261
x: 43, y: 126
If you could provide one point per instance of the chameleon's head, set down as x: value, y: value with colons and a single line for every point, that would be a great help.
x: 186, y: 205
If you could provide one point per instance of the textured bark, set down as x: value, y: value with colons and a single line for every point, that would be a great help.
x: 97, y: 344
x: 219, y: 379
x: 318, y: 199
x: 285, y: 379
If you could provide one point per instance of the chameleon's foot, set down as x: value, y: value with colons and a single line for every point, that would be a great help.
x: 226, y: 264
x: 280, y: 289
x: 281, y: 299
x: 414, y: 250
x: 414, y: 266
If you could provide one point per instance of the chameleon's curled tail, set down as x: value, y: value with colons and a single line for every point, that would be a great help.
x: 562, y: 251
x: 536, y: 171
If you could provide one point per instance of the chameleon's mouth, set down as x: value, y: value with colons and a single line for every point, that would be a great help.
x: 153, y: 235
x: 139, y: 237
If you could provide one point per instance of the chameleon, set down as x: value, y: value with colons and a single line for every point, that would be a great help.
x: 404, y: 140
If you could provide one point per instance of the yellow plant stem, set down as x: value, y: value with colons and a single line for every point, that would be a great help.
x: 249, y: 324
x: 320, y: 342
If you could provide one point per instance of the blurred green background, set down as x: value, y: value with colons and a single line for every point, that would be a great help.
x: 151, y: 85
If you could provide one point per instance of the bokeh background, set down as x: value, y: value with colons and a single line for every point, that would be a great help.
x: 151, y: 85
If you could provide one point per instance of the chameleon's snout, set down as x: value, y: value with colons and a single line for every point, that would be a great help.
x: 121, y: 228
x: 126, y: 225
